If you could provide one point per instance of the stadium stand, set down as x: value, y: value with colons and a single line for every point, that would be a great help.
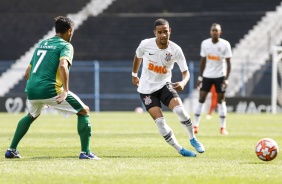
x: 115, y: 34
x: 256, y: 48
x: 260, y: 84
x: 29, y: 20
x: 188, y: 32
x: 16, y: 72
x: 25, y: 22
x: 126, y: 22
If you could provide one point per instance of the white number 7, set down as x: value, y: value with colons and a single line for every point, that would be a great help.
x: 40, y: 53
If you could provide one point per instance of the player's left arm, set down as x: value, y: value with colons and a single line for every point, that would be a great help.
x: 228, y: 55
x: 181, y: 61
x: 179, y: 86
x: 228, y: 69
x: 27, y: 72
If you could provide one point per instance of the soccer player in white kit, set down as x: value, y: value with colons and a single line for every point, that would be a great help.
x: 159, y: 55
x: 215, y: 68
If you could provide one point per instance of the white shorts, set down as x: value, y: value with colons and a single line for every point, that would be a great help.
x: 71, y: 105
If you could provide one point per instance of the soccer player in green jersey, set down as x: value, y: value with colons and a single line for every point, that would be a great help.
x: 47, y: 84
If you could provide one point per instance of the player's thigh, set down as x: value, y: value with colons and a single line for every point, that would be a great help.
x: 77, y: 104
x: 169, y: 96
x: 220, y: 97
x: 155, y: 112
x: 150, y: 100
x: 71, y: 105
x: 206, y: 84
x: 203, y: 96
x: 34, y: 107
x: 174, y: 102
x: 218, y: 82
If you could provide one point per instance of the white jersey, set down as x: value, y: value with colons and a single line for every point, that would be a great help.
x: 157, y: 64
x: 215, y: 54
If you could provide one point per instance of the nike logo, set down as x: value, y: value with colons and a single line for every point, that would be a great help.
x: 151, y: 54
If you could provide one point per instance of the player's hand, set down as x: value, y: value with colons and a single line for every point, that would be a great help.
x: 199, y: 85
x: 135, y: 81
x: 178, y: 86
x: 61, y: 97
x: 225, y: 84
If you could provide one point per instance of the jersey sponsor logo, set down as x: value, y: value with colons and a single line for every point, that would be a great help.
x: 157, y: 69
x: 147, y: 100
x: 214, y: 58
x: 168, y: 57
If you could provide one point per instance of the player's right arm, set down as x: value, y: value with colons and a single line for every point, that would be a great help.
x: 64, y: 74
x: 202, y: 68
x: 66, y: 56
x: 136, y: 64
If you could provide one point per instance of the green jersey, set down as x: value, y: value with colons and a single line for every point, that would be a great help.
x: 44, y: 78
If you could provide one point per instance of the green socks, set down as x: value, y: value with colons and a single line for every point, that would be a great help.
x: 21, y: 130
x: 84, y: 132
x: 83, y: 129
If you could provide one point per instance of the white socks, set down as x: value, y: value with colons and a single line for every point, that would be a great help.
x: 167, y: 133
x: 185, y: 120
x: 222, y: 111
x: 198, y: 113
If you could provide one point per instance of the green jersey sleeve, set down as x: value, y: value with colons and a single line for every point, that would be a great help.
x: 67, y: 53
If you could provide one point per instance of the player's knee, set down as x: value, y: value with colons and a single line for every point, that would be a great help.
x: 181, y: 113
x: 220, y: 98
x: 201, y: 100
x: 32, y: 118
x: 160, y: 121
x: 221, y: 101
x: 84, y: 111
x: 202, y: 97
x: 87, y: 109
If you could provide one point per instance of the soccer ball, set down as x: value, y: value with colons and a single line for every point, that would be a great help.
x: 266, y: 149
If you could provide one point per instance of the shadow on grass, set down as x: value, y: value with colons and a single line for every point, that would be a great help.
x: 122, y: 156
x: 51, y: 158
x: 102, y: 157
x: 145, y: 156
x: 41, y: 158
x: 255, y: 163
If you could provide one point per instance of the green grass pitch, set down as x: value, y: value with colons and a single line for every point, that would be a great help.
x: 132, y: 151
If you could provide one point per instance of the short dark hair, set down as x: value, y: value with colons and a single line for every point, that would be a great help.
x: 216, y: 24
x: 159, y: 22
x: 63, y: 24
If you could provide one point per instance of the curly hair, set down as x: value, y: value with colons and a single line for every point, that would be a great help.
x: 62, y: 24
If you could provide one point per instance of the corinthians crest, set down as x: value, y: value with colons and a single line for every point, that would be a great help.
x: 147, y: 100
x: 168, y: 57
